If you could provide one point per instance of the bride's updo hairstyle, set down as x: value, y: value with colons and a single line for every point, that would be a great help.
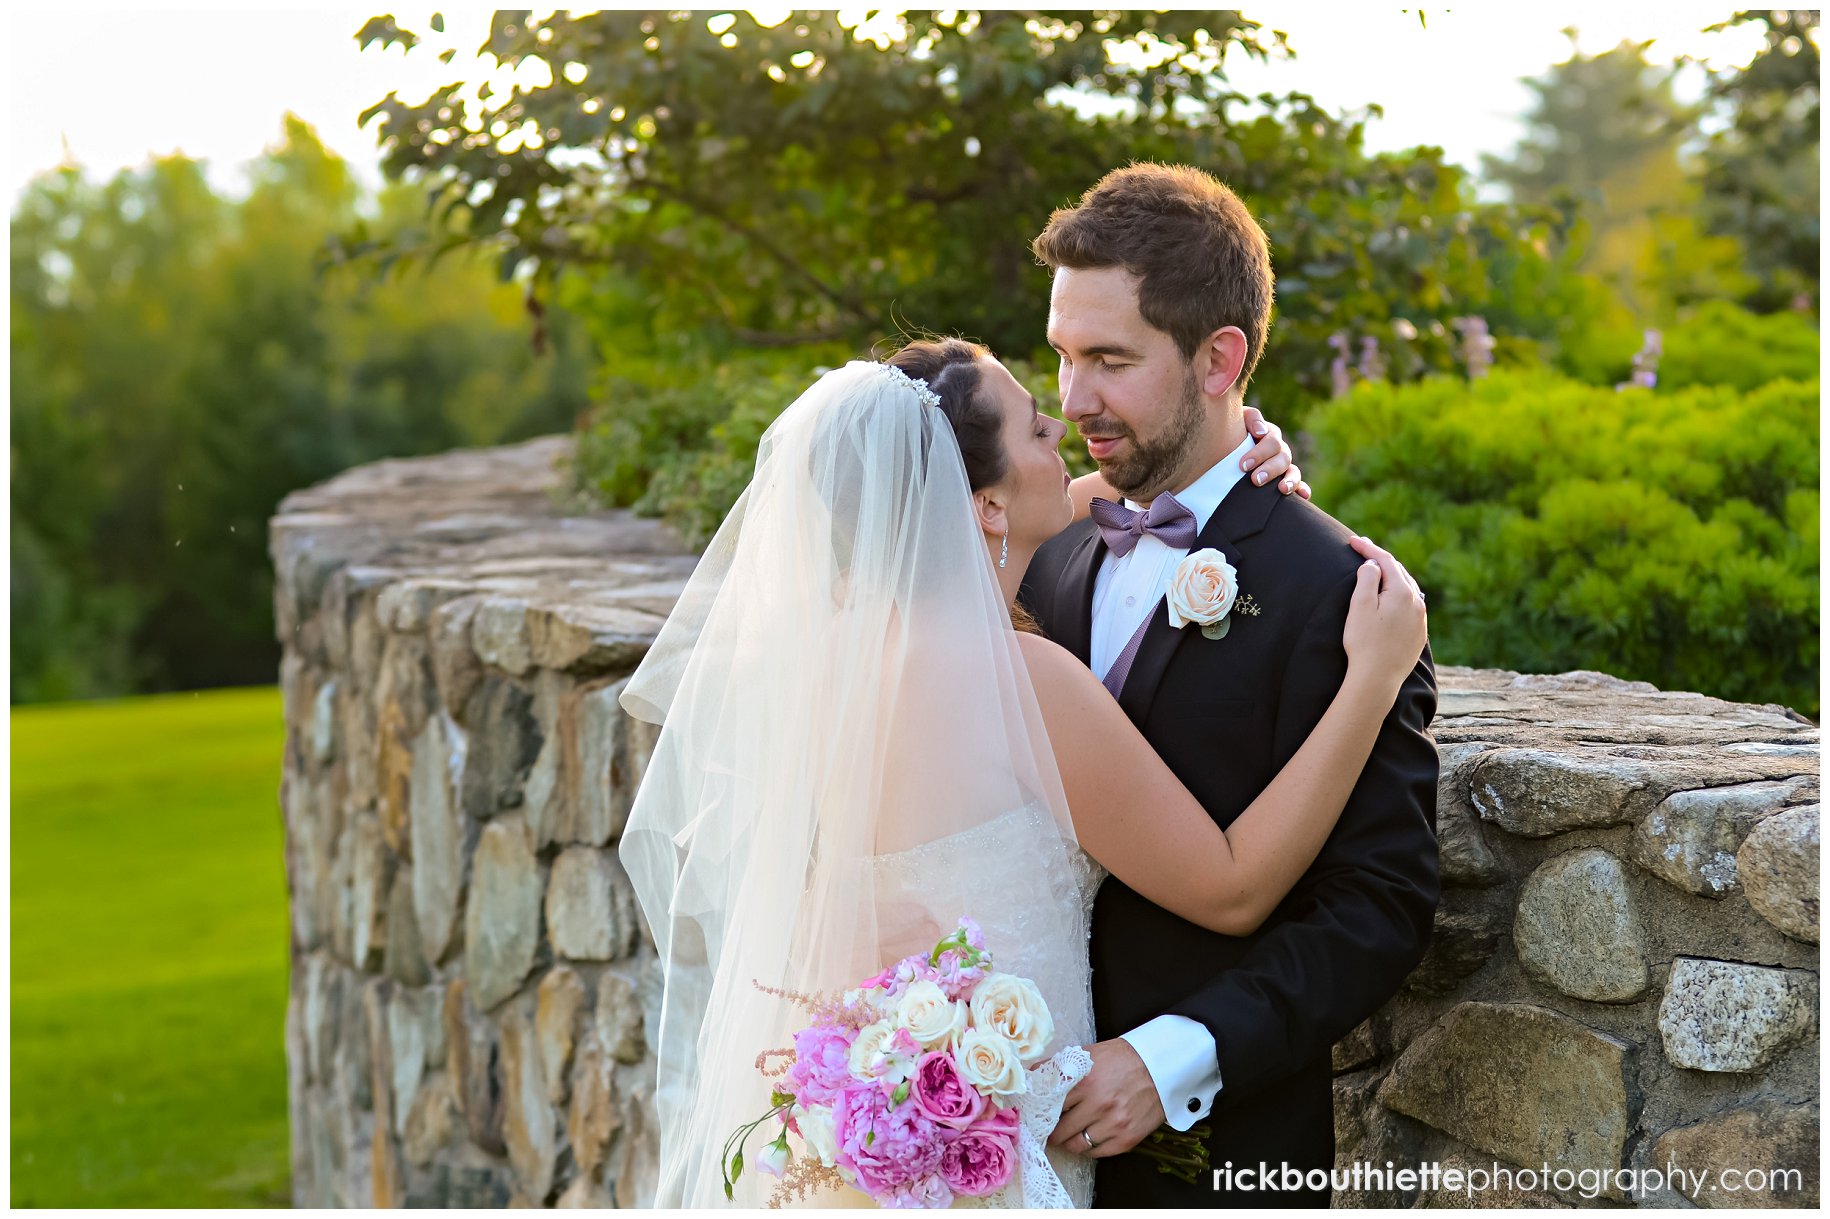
x: 951, y: 369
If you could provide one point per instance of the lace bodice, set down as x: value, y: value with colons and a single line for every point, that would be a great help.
x: 1088, y: 876
x: 1036, y: 922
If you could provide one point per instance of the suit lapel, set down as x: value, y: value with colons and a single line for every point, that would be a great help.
x: 1074, y: 596
x: 1241, y: 514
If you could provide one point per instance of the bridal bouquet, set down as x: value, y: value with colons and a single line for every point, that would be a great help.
x: 906, y: 1087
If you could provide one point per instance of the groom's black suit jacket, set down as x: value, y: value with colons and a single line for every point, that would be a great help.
x: 1226, y: 714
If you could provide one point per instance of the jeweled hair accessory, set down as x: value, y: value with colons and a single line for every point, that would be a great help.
x: 928, y: 396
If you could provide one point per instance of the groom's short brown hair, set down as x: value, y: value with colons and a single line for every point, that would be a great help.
x: 1202, y: 260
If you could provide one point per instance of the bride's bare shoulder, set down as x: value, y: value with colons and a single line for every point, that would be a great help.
x: 1055, y: 672
x: 1041, y: 652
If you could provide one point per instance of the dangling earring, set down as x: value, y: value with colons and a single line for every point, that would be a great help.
x: 1004, y: 551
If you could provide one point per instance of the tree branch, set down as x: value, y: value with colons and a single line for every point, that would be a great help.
x: 781, y: 256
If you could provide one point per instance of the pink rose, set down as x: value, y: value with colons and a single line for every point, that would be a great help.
x: 983, y: 1158
x: 942, y: 1095
x: 998, y: 1121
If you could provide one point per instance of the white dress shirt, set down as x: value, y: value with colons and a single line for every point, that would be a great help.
x: 1179, y: 1053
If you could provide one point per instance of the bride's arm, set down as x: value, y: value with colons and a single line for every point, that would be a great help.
x: 1269, y: 458
x: 1134, y: 816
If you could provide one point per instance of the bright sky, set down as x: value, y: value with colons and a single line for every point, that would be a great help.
x: 214, y: 82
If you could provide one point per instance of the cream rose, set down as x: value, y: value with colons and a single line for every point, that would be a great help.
x: 1202, y: 589
x: 931, y: 1018
x: 990, y: 1063
x: 1014, y: 1009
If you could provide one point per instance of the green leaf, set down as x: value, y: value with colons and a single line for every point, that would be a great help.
x: 438, y: 23
x: 362, y: 120
x: 383, y: 30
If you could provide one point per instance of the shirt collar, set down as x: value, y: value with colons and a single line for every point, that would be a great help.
x: 1202, y: 497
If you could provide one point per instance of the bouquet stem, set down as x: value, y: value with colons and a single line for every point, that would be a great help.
x: 1181, y: 1154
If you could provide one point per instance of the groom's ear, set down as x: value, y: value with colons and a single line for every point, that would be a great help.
x: 1226, y: 350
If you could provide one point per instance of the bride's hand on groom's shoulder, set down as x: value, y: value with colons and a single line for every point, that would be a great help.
x: 1271, y: 457
x: 1387, y: 622
x: 1116, y: 1104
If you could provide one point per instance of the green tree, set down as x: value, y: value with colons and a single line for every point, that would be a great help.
x: 180, y: 362
x: 105, y: 301
x: 1590, y: 116
x: 811, y: 182
x: 1606, y: 138
x: 794, y: 184
x: 1761, y: 168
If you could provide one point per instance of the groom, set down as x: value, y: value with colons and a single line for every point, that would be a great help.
x: 1159, y: 310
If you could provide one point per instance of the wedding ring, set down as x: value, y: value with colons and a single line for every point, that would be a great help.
x: 1088, y: 1136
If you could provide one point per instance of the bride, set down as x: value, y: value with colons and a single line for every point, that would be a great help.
x: 858, y: 749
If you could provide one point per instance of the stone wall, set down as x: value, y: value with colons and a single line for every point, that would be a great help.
x: 1624, y: 972
x: 1624, y: 969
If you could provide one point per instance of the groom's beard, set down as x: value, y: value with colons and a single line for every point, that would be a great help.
x: 1146, y: 468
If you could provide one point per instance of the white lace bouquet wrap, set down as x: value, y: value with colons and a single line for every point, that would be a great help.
x: 1036, y: 1185
x: 928, y: 1085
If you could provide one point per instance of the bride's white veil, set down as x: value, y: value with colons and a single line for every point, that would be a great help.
x: 851, y: 758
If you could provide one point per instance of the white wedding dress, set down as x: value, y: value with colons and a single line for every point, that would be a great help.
x: 851, y: 759
x: 1037, y: 929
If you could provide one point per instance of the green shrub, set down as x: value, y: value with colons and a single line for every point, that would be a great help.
x: 683, y: 447
x: 1720, y: 343
x: 1669, y: 537
x: 685, y: 450
x: 1713, y: 343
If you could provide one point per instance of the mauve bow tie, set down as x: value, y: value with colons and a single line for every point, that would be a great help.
x: 1166, y: 519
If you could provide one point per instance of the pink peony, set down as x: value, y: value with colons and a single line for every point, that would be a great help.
x: 923, y: 1193
x: 822, y: 1065
x: 884, y: 1144
x: 982, y: 1160
x: 942, y: 1095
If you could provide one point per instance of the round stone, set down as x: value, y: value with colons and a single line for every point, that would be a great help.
x: 1577, y: 930
x: 1778, y: 865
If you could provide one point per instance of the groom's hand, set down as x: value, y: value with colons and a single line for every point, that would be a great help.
x: 1116, y: 1103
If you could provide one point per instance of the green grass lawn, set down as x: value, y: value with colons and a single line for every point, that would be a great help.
x: 149, y: 952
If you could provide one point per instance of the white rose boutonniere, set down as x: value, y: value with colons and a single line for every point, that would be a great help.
x: 1202, y: 591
